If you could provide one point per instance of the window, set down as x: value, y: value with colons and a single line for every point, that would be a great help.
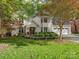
x: 41, y: 29
x: 41, y: 20
x: 45, y: 20
x: 21, y: 30
x: 45, y: 29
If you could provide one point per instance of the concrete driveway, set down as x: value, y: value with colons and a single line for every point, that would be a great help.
x: 73, y: 37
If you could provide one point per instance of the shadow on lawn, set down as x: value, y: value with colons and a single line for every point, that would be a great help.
x: 22, y: 41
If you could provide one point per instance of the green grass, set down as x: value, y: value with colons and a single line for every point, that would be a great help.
x: 22, y: 48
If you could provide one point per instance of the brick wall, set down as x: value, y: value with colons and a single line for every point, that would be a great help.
x: 75, y: 26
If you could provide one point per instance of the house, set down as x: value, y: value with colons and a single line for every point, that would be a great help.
x: 11, y: 28
x: 38, y: 24
x: 75, y: 26
x: 17, y: 28
x: 44, y: 24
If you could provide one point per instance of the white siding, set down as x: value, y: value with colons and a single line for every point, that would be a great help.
x: 51, y: 27
x: 38, y: 30
x: 15, y: 32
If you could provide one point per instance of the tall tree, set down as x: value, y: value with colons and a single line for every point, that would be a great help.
x: 7, y: 7
x: 14, y: 9
x: 62, y: 9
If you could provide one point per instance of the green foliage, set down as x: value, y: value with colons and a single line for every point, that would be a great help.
x: 34, y: 49
x: 26, y: 8
x: 8, y: 7
x: 17, y: 9
x: 49, y: 35
x: 62, y: 10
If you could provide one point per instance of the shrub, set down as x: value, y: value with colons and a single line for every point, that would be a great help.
x: 48, y: 35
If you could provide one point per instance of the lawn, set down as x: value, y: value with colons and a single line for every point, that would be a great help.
x: 22, y: 48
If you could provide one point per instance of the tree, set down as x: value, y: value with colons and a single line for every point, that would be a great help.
x: 22, y: 8
x: 61, y: 9
x: 7, y: 7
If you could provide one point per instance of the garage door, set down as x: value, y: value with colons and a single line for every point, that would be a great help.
x: 64, y: 31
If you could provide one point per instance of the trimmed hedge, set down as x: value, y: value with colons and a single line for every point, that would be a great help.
x: 47, y: 35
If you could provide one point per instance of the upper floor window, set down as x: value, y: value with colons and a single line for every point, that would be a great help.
x: 45, y: 20
x: 45, y: 29
x: 41, y: 20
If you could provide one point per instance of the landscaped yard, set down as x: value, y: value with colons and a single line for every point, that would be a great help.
x: 22, y: 48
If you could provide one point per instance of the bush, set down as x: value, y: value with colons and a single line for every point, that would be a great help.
x: 48, y: 35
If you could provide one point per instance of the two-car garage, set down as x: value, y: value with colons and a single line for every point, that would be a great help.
x: 65, y: 30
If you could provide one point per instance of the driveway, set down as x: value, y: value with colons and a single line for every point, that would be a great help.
x: 73, y: 37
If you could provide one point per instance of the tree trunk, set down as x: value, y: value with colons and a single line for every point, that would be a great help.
x: 60, y: 38
x: 0, y: 27
x: 61, y: 28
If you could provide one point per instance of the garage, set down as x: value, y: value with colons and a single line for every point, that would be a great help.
x: 65, y: 31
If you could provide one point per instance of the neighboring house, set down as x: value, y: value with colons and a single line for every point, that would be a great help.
x: 44, y: 24
x: 75, y: 26
x: 17, y: 27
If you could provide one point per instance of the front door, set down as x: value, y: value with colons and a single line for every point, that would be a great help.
x: 31, y: 30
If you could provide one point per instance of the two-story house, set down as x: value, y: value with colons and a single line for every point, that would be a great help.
x: 44, y: 24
